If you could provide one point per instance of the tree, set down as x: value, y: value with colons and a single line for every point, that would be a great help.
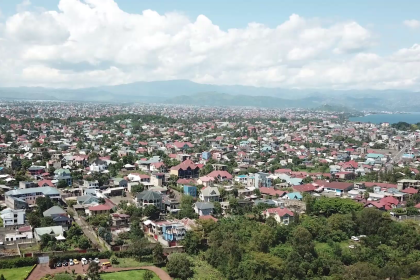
x: 187, y: 210
x: 44, y: 203
x: 47, y: 222
x: 158, y: 256
x: 179, y: 266
x: 137, y: 189
x: 191, y: 242
x: 108, y: 237
x: 93, y: 271
x: 84, y: 242
x: 148, y: 275
x: 62, y: 184
x: 33, y: 219
x: 152, y: 212
x: 2, y: 277
x: 135, y: 230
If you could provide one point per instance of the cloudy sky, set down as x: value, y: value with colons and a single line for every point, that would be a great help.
x: 368, y: 44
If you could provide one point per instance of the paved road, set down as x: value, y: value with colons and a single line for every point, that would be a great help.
x: 88, y: 232
x: 42, y: 270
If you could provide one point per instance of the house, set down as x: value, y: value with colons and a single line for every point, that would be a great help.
x: 209, y: 194
x: 36, y: 170
x: 22, y: 233
x: 54, y: 231
x: 21, y: 198
x: 186, y: 169
x: 204, y: 208
x: 94, y: 184
x: 294, y: 196
x: 63, y: 174
x: 99, y: 209
x: 120, y: 220
x: 190, y: 190
x: 98, y: 165
x: 272, y: 192
x: 55, y: 210
x: 12, y: 217
x: 27, y: 185
x: 338, y: 187
x: 304, y: 188
x: 345, y: 175
x: 220, y: 175
x: 206, y: 181
x: 282, y: 215
x: 262, y: 180
x: 147, y: 197
x: 119, y: 182
x: 45, y: 183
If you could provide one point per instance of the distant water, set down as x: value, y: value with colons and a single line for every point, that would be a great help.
x: 389, y: 118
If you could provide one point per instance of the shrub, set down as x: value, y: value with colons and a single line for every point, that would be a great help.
x: 17, y: 262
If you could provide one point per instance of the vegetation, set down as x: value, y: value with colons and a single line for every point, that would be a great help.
x: 132, y: 274
x: 315, y: 246
x: 15, y: 273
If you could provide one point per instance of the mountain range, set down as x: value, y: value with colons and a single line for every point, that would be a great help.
x: 187, y: 92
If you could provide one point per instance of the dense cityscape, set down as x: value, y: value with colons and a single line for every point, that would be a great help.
x: 208, y: 192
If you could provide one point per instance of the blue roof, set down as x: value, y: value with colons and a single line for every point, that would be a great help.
x: 241, y: 176
x: 371, y: 155
x: 294, y: 195
x: 295, y: 181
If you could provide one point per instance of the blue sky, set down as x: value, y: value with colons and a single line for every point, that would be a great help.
x: 364, y: 40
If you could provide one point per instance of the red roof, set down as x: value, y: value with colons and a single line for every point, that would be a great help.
x: 271, y: 191
x: 305, y: 188
x: 45, y: 182
x: 279, y: 211
x: 185, y: 165
x: 222, y: 174
x: 410, y: 191
x: 207, y: 217
x: 102, y: 207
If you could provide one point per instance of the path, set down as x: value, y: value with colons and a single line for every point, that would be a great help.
x: 87, y: 230
x: 42, y: 270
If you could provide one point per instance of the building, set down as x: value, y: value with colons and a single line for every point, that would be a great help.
x: 261, y: 179
x: 36, y: 170
x: 99, y: 209
x: 209, y: 194
x: 146, y: 198
x: 186, y: 169
x: 282, y: 215
x: 12, y: 217
x: 204, y: 208
x: 63, y: 174
x: 22, y: 198
x: 408, y: 183
x: 190, y: 190
x: 98, y: 165
x: 55, y: 231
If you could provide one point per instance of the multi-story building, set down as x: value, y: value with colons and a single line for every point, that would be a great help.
x: 12, y: 217
x: 22, y: 198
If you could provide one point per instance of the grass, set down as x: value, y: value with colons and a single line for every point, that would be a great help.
x: 132, y: 274
x: 129, y: 262
x: 204, y: 271
x: 15, y: 273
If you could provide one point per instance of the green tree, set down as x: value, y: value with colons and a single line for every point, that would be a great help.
x: 152, y: 212
x: 148, y: 275
x: 179, y: 266
x: 83, y: 242
x: 2, y: 277
x: 137, y: 189
x: 191, y: 242
x: 187, y: 210
x: 62, y: 184
x: 93, y: 271
x: 158, y: 256
x: 44, y: 203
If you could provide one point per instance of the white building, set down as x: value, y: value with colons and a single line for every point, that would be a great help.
x: 12, y: 217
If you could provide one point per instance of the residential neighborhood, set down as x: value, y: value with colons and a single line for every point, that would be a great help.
x: 111, y: 171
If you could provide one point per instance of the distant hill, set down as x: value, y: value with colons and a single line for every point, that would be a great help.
x: 335, y: 108
x: 187, y: 92
x: 222, y: 99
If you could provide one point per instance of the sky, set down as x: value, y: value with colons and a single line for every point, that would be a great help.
x: 316, y: 44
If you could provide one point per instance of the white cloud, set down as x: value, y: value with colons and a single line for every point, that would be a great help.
x: 94, y: 42
x: 412, y: 23
x: 23, y: 6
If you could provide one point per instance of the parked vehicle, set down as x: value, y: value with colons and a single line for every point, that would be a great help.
x: 58, y: 264
x: 96, y: 260
x: 71, y: 263
x: 75, y: 261
x: 354, y: 238
x: 65, y: 263
x: 106, y: 264
x: 84, y: 261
